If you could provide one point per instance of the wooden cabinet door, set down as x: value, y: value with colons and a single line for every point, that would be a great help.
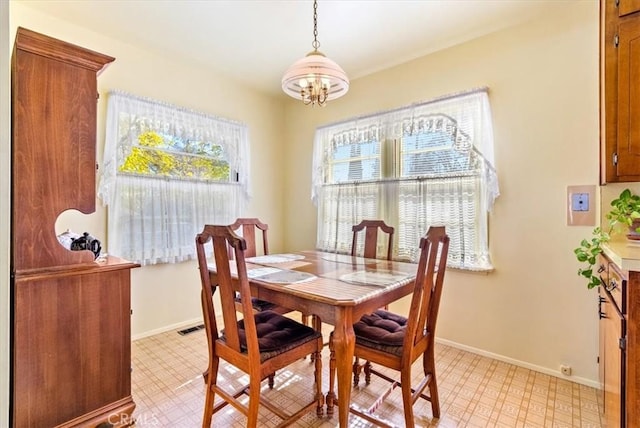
x: 619, y: 91
x: 612, y: 362
x: 72, y: 344
x: 626, y: 7
x: 629, y: 96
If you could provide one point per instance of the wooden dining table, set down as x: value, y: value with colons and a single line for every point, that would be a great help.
x: 338, y: 289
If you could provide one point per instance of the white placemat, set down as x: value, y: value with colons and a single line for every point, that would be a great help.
x: 274, y: 258
x: 342, y: 258
x: 380, y: 278
x: 258, y: 272
x: 272, y: 275
x: 281, y: 276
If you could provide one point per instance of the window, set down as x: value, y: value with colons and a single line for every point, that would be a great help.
x: 167, y: 172
x: 359, y: 161
x: 428, y: 164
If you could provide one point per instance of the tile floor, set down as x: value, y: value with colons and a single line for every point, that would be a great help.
x: 475, y: 391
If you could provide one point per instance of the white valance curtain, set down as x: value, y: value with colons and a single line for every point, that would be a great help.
x: 471, y: 111
x: 155, y: 219
x: 458, y: 200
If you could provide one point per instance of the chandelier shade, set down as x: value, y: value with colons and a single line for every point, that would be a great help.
x: 315, y: 79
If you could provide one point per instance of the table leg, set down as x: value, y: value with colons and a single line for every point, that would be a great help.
x: 343, y: 345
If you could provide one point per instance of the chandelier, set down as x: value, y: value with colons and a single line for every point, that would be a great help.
x: 315, y: 79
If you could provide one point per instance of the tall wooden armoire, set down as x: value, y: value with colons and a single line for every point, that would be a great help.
x: 70, y: 320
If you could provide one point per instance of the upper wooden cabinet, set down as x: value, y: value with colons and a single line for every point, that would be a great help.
x: 54, y: 90
x: 626, y: 7
x: 619, y: 91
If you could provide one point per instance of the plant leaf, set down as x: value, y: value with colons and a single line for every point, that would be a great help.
x: 595, y: 281
x: 587, y: 273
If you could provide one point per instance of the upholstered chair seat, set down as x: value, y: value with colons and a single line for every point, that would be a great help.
x: 381, y: 330
x: 276, y: 334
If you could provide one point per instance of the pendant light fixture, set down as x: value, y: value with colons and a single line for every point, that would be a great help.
x: 315, y: 79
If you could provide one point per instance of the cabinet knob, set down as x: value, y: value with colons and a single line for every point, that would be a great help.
x: 601, y: 269
x: 612, y: 285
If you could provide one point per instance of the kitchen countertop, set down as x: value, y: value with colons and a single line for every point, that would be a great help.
x: 624, y: 253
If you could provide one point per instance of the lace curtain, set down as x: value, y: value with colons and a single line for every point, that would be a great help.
x: 154, y: 219
x: 458, y: 198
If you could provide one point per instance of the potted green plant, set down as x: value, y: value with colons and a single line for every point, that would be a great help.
x: 625, y: 211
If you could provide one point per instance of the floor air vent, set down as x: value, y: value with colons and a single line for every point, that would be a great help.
x: 190, y: 329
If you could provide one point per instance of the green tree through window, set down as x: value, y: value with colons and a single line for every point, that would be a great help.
x: 169, y: 156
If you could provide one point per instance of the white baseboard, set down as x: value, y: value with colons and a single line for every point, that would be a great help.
x: 176, y: 326
x: 577, y: 379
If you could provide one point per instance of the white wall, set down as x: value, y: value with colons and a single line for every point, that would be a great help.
x: 165, y: 296
x: 5, y: 180
x: 543, y: 83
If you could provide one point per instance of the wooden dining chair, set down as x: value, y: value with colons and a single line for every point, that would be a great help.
x: 396, y: 342
x: 256, y: 343
x: 371, y: 228
x: 248, y: 228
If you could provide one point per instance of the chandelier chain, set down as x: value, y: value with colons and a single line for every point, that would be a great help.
x: 316, y: 43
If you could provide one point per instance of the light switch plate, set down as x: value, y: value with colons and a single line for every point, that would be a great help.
x: 581, y: 205
x: 580, y: 202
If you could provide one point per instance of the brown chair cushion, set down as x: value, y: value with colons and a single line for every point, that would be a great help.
x: 257, y: 304
x: 276, y: 333
x: 262, y: 305
x: 381, y: 328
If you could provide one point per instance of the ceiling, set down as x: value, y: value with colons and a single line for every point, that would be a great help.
x: 255, y: 41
